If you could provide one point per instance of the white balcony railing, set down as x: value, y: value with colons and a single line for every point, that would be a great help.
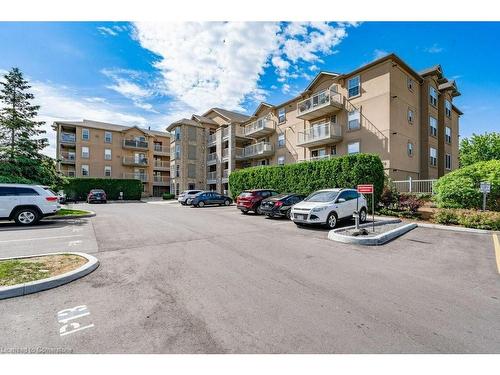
x: 320, y: 132
x: 239, y: 152
x: 161, y: 164
x: 212, y: 176
x: 261, y: 148
x: 240, y: 131
x: 321, y: 157
x: 68, y: 137
x: 263, y: 125
x: 225, y: 153
x: 135, y: 160
x: 225, y: 173
x: 69, y: 173
x: 319, y: 100
x: 225, y: 133
x: 212, y: 138
x: 68, y: 157
x: 212, y: 157
x: 161, y: 149
x: 137, y: 175
x: 134, y: 143
x: 161, y: 179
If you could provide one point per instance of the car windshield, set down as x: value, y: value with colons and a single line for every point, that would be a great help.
x: 322, y: 196
x: 245, y: 194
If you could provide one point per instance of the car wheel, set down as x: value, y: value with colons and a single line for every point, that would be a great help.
x: 226, y: 202
x: 26, y: 216
x: 289, y: 214
x: 258, y: 210
x: 331, y: 221
x: 362, y: 215
x: 298, y: 224
x: 244, y: 212
x: 201, y: 204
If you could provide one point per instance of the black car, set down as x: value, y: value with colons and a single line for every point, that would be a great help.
x: 97, y: 195
x: 210, y: 197
x: 280, y: 205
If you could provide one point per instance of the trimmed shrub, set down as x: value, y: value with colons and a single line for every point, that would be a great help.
x: 78, y: 188
x: 469, y: 218
x: 460, y: 188
x: 14, y: 180
x: 445, y: 216
x: 167, y: 196
x: 306, y: 177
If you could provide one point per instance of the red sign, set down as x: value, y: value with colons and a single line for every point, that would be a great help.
x: 367, y: 189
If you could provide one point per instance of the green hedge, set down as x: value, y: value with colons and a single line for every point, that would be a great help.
x: 307, y: 177
x: 167, y: 196
x: 78, y: 188
x: 14, y: 180
x: 460, y: 188
x: 468, y: 218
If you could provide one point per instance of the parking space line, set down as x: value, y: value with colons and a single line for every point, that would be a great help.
x: 496, y: 243
x: 41, y: 238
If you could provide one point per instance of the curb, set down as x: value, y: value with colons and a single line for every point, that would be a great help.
x: 51, y: 282
x: 55, y: 217
x: 375, y: 240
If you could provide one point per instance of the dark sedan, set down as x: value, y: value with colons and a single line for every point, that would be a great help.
x: 280, y: 205
x: 206, y: 198
x: 97, y: 195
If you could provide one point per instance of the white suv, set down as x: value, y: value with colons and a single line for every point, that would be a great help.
x: 187, y: 195
x: 27, y: 204
x: 329, y: 206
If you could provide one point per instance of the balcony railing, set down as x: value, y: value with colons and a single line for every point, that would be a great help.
x: 225, y: 133
x: 321, y: 157
x: 143, y: 177
x: 225, y: 173
x: 134, y: 160
x: 161, y: 180
x: 225, y: 153
x: 320, y: 134
x: 212, y: 138
x: 259, y: 149
x: 159, y: 149
x: 212, y: 176
x: 134, y: 143
x: 212, y: 158
x: 239, y: 153
x: 69, y: 173
x: 68, y: 157
x: 68, y: 138
x: 260, y: 127
x: 240, y: 131
x: 319, y: 104
x: 161, y: 164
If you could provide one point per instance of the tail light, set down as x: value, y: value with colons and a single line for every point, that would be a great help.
x: 51, y: 199
x: 278, y: 204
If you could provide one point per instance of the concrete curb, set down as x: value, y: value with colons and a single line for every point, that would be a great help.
x: 51, y: 282
x: 375, y: 240
x: 55, y: 217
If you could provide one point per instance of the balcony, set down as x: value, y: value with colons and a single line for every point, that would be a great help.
x: 225, y: 175
x: 161, y: 180
x: 260, y: 128
x: 161, y: 150
x: 319, y: 104
x: 239, y: 153
x: 135, y: 144
x: 212, y: 158
x: 161, y: 165
x: 321, y: 157
x: 225, y: 153
x: 143, y: 177
x: 225, y: 133
x: 320, y: 134
x: 257, y: 150
x: 239, y: 131
x: 68, y: 138
x: 69, y: 173
x: 211, y: 139
x: 68, y: 157
x: 212, y: 177
x: 135, y: 161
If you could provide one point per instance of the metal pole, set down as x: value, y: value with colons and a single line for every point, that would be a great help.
x: 484, y: 201
x: 373, y: 211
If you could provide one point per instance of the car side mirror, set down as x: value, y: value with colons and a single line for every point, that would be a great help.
x: 341, y: 200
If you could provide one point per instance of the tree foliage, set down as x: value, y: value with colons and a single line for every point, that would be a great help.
x: 481, y: 147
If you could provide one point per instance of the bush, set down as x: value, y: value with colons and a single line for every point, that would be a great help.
x: 14, y: 180
x: 460, y: 188
x: 78, y: 188
x: 409, y: 202
x: 398, y: 213
x: 167, y: 196
x: 469, y: 218
x: 307, y: 177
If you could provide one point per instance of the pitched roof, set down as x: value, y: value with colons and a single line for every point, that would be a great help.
x: 450, y: 85
x: 262, y: 104
x: 183, y: 121
x: 114, y: 127
x: 230, y: 115
x: 203, y: 119
x: 431, y: 70
x: 318, y: 76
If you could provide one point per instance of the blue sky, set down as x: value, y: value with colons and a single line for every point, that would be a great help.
x: 153, y: 73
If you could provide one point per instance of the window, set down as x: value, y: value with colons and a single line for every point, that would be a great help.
x: 85, y: 134
x: 447, y: 108
x: 433, y: 126
x: 177, y: 133
x: 281, y: 115
x: 333, y: 150
x: 191, y: 186
x: 191, y: 170
x: 177, y: 151
x: 192, y: 152
x: 281, y: 160
x: 433, y: 156
x: 177, y: 170
x: 409, y: 83
x: 410, y: 116
x: 353, y: 148
x: 24, y: 192
x: 85, y: 152
x: 333, y: 119
x: 433, y: 96
x: 353, y: 120
x: 107, y: 170
x: 319, y: 153
x: 410, y: 149
x: 85, y: 170
x: 108, y: 137
x: 354, y: 87
x: 447, y: 134
x: 447, y: 161
x: 281, y: 140
x: 107, y: 154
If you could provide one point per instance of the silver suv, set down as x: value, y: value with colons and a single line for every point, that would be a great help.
x: 27, y: 204
x: 187, y: 196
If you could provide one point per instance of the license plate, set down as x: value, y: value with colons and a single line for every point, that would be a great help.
x: 301, y: 216
x: 98, y: 198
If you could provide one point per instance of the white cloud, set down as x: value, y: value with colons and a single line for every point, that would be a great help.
x: 107, y: 31
x: 313, y: 68
x: 379, y: 53
x: 285, y: 89
x: 210, y: 64
x: 435, y: 48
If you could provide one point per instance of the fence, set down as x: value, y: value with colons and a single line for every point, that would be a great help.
x: 415, y: 186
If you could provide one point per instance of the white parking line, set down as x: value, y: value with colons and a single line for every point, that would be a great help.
x: 41, y: 238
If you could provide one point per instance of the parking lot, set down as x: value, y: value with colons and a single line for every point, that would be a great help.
x: 177, y: 279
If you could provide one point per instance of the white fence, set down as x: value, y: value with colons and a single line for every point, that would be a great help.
x: 415, y: 186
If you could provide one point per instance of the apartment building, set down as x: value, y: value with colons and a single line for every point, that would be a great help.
x: 384, y: 107
x: 96, y: 149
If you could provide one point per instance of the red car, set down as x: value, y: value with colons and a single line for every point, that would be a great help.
x: 249, y: 200
x: 97, y: 195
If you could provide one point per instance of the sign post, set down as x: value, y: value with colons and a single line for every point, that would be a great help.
x: 368, y: 189
x: 485, y: 188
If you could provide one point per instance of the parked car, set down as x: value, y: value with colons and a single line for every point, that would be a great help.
x: 249, y: 200
x: 27, y: 204
x: 210, y: 197
x: 186, y: 196
x: 97, y: 195
x: 329, y: 206
x: 280, y: 205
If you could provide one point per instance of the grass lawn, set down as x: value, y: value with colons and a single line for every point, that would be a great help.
x: 68, y: 212
x: 17, y: 271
